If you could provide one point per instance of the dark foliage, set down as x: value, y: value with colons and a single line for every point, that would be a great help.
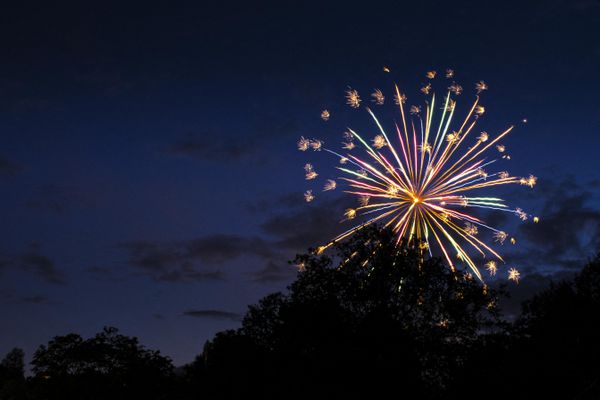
x: 560, y: 330
x: 106, y: 366
x: 12, y: 375
x: 375, y: 320
x: 386, y: 321
x: 552, y: 351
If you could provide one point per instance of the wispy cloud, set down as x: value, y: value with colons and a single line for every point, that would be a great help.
x: 569, y: 229
x: 214, y: 148
x: 274, y: 272
x: 37, y: 299
x: 307, y: 225
x: 213, y: 314
x: 292, y: 228
x: 33, y: 261
x: 195, y: 259
x: 8, y: 167
x: 42, y: 266
x: 225, y: 148
x: 57, y: 199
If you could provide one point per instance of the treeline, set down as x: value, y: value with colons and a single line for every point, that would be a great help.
x: 374, y: 320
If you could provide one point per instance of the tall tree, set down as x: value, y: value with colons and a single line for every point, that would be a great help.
x: 371, y: 318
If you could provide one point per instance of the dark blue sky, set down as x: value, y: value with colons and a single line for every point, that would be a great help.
x: 148, y: 169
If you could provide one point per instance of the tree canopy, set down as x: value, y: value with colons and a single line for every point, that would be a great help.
x: 108, y: 365
x: 372, y: 319
x: 382, y: 311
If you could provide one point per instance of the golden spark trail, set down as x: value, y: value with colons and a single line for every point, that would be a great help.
x: 415, y: 183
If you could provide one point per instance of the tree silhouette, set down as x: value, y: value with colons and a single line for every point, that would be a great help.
x: 372, y: 318
x: 12, y: 375
x: 560, y: 328
x: 108, y: 365
x: 551, y: 351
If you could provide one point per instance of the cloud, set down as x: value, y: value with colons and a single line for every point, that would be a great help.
x: 569, y: 229
x: 214, y: 148
x: 7, y: 167
x: 267, y: 205
x: 6, y: 296
x: 42, y: 266
x: 219, y: 147
x: 184, y: 261
x: 217, y: 249
x: 57, y: 199
x: 4, y: 263
x: 188, y: 274
x: 34, y: 262
x: 103, y: 274
x: 293, y: 228
x: 37, y: 299
x: 213, y: 314
x: 308, y: 226
x: 275, y: 272
x: 11, y: 297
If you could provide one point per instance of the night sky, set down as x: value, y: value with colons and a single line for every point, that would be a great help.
x: 148, y: 167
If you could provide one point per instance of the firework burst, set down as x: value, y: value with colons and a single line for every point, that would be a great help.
x: 425, y: 183
x: 308, y: 196
x: 310, y: 172
x: 329, y: 185
x: 514, y: 275
x: 378, y: 97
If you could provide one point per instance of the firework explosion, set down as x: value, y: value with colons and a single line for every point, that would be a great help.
x: 421, y: 183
